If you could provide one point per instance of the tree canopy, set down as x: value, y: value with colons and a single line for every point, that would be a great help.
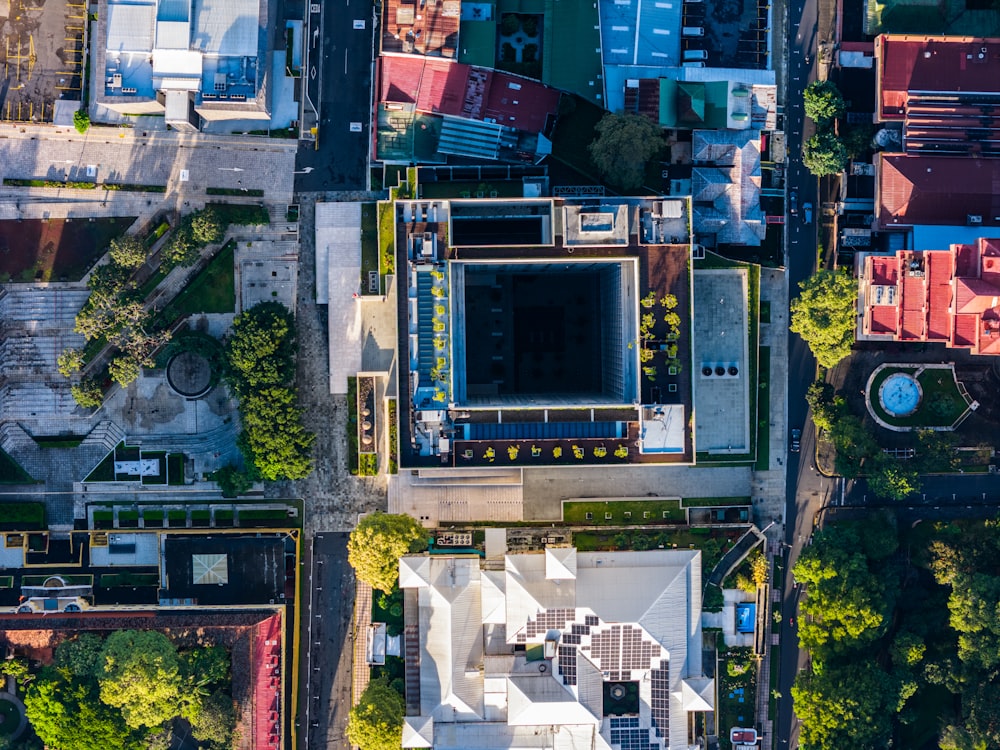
x: 824, y: 154
x: 127, y: 251
x: 376, y: 723
x: 624, y: 143
x: 893, y: 478
x: 823, y: 315
x: 823, y: 102
x: 260, y: 357
x: 127, y: 691
x: 376, y: 545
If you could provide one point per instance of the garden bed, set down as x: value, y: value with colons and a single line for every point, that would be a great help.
x: 22, y: 516
x: 11, y: 472
x: 737, y: 692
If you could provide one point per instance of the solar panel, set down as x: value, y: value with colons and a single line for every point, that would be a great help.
x: 659, y: 699
x: 567, y: 664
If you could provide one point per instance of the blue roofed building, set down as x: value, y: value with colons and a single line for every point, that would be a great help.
x: 641, y: 32
x: 185, y: 59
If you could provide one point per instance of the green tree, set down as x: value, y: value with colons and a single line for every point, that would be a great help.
x: 108, y: 279
x: 858, y: 140
x: 273, y: 437
x: 376, y: 723
x: 823, y: 102
x: 81, y: 121
x: 124, y: 370
x: 87, y: 393
x: 139, y: 674
x: 261, y: 350
x: 960, y: 738
x: 624, y: 143
x: 823, y: 315
x: 893, y: 478
x: 232, y: 481
x: 127, y: 251
x: 824, y: 154
x: 907, y: 650
x: 854, y: 444
x: 377, y: 543
x: 17, y: 668
x: 180, y: 249
x: 204, y: 666
x: 823, y: 404
x: 846, y: 707
x: 78, y: 658
x: 70, y: 716
x: 69, y: 361
x: 936, y: 450
x: 216, y: 721
x: 207, y: 226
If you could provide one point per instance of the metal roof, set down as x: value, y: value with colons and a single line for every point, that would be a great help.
x: 227, y: 28
x: 641, y: 32
x: 130, y: 27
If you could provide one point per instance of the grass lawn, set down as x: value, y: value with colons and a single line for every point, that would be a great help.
x: 213, y: 290
x: 177, y: 517
x: 175, y: 468
x: 59, y: 441
x: 233, y: 213
x: 11, y: 472
x: 764, y: 409
x: 22, y: 516
x: 386, y: 238
x: 941, y: 405
x: 623, y: 512
x: 128, y: 519
x: 110, y: 580
x: 105, y: 470
x: 151, y: 517
x: 737, y: 691
x: 369, y: 243
x: 104, y: 519
x: 200, y: 517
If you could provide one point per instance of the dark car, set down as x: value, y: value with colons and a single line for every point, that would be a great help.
x: 807, y: 213
x: 793, y: 202
x: 796, y: 441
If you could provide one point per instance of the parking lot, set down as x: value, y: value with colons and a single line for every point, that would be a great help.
x: 735, y: 34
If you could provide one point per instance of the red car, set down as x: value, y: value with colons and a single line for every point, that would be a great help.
x: 743, y: 736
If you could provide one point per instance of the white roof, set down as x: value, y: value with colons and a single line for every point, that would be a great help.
x: 177, y: 63
x: 227, y: 28
x: 338, y: 269
x: 209, y: 569
x: 418, y: 731
x: 540, y: 699
x: 173, y: 34
x: 481, y: 694
x: 560, y: 563
x: 130, y: 27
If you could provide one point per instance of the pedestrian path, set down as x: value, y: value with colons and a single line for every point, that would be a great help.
x: 362, y: 620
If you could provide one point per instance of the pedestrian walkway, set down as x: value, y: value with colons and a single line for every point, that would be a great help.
x: 362, y: 619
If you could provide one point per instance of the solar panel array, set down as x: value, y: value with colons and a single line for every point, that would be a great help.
x: 659, y: 699
x: 546, y: 620
x: 567, y: 664
x: 620, y: 649
x: 626, y: 733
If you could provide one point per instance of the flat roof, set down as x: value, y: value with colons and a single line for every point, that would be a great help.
x: 722, y: 401
x: 634, y: 32
x: 918, y: 64
x: 571, y: 55
x: 255, y: 568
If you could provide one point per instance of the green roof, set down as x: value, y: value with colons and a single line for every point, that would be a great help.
x: 693, y: 104
x: 477, y: 42
x: 571, y: 48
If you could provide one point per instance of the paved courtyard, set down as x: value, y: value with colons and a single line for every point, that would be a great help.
x: 183, y: 163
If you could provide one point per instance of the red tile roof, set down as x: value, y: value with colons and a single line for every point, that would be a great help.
x: 439, y: 86
x: 933, y: 64
x: 427, y: 29
x: 921, y: 189
x: 936, y: 297
x: 268, y: 729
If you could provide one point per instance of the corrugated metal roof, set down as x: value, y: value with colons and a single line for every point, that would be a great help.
x: 130, y: 27
x: 173, y: 34
x: 228, y: 28
x: 918, y: 189
x: 641, y: 32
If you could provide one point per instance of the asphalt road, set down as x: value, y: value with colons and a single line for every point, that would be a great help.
x: 341, y: 90
x: 325, y: 700
x: 807, y: 490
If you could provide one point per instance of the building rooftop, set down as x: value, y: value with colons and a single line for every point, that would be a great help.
x: 421, y: 29
x: 556, y: 634
x: 950, y: 296
x: 637, y: 33
x: 915, y: 65
x: 725, y: 186
x: 918, y: 189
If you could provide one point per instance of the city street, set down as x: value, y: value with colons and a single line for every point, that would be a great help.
x: 341, y: 56
x: 326, y: 640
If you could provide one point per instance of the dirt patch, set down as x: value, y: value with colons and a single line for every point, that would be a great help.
x: 43, y: 55
x: 55, y: 249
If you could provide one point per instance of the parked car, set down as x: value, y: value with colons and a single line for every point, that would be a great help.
x: 693, y: 31
x: 793, y: 202
x: 807, y: 212
x: 743, y: 736
x: 796, y: 443
x: 690, y: 64
x: 695, y: 54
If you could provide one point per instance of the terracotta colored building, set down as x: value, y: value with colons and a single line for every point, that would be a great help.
x: 950, y: 296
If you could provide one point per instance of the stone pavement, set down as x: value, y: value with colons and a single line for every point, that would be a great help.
x: 185, y: 163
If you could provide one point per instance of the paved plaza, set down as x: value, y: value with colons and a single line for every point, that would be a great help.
x: 183, y: 163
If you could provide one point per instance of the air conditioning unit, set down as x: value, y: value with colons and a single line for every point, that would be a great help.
x: 974, y: 219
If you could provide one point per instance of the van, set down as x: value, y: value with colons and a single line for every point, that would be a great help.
x: 695, y: 54
x: 698, y: 64
x: 693, y: 31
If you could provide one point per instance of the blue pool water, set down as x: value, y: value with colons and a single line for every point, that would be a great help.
x: 900, y: 394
